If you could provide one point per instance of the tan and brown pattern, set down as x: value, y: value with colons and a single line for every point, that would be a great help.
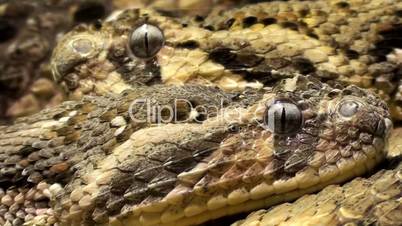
x: 371, y: 201
x: 251, y: 46
x: 364, y: 201
x: 49, y: 147
x: 88, y: 162
x: 29, y: 31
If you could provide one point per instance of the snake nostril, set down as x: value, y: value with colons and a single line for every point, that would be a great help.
x: 82, y: 46
x: 349, y: 108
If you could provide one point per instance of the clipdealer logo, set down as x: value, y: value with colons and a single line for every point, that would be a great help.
x: 148, y: 110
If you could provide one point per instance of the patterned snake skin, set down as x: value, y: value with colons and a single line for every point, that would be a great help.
x: 372, y: 201
x: 249, y: 47
x: 99, y: 167
x: 91, y: 162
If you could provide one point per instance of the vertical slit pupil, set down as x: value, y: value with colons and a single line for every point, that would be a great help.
x: 283, y: 120
x: 146, y: 43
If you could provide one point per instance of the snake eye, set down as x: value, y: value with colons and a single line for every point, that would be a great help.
x: 146, y: 41
x: 283, y: 118
x: 348, y: 108
x: 234, y: 128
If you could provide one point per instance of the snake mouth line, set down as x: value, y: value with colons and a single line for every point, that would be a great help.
x: 178, y: 215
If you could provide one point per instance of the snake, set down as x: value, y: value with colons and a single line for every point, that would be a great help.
x: 180, y: 121
x: 247, y: 47
x: 30, y: 31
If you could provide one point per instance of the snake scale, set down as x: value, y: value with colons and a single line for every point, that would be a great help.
x: 180, y: 121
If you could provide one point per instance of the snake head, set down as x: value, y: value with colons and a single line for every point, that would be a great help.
x: 96, y: 58
x: 319, y: 126
x: 294, y: 139
x: 331, y: 132
x: 233, y: 50
x: 139, y: 46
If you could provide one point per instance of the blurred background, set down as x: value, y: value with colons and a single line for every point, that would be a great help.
x: 29, y: 30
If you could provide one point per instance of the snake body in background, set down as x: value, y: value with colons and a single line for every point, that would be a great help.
x: 29, y: 30
x: 283, y: 134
